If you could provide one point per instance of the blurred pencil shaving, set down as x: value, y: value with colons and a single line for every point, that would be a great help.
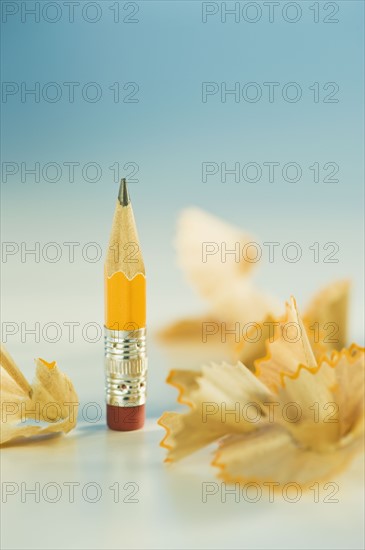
x: 226, y: 284
x: 297, y: 419
x: 235, y: 304
x: 49, y: 405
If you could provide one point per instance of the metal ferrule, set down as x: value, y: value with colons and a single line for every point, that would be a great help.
x: 125, y: 367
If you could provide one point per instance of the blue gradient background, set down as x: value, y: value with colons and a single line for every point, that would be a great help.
x: 169, y: 133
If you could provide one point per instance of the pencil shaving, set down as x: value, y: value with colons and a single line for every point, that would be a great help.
x: 47, y: 406
x: 325, y: 323
x: 328, y: 313
x: 224, y: 282
x: 309, y: 419
x: 234, y: 299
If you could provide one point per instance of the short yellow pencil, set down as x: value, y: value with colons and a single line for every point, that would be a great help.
x: 125, y: 321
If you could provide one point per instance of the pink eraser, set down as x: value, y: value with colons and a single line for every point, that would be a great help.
x: 125, y: 419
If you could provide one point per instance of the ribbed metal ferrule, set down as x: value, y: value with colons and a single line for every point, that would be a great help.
x: 125, y: 367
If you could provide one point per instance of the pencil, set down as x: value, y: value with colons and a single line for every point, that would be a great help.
x: 125, y: 321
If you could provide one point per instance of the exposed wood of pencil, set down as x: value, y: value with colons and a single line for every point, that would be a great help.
x: 124, y: 253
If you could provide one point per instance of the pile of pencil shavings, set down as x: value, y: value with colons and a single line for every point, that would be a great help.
x: 48, y: 406
x: 284, y: 401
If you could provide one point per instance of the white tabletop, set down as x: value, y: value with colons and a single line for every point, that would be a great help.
x: 157, y: 506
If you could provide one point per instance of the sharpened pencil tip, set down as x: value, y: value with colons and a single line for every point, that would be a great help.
x: 123, y: 195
